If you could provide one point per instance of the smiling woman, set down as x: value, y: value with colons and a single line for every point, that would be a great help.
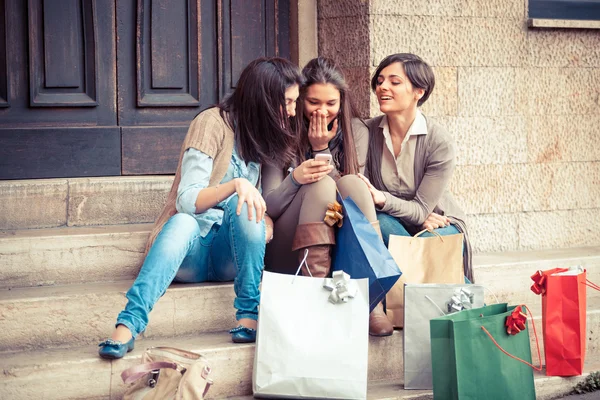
x: 297, y: 202
x: 410, y: 158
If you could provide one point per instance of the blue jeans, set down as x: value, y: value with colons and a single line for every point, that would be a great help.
x: 234, y: 251
x: 393, y: 226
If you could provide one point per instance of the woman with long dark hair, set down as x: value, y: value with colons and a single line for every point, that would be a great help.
x: 297, y: 199
x: 411, y: 158
x: 213, y: 226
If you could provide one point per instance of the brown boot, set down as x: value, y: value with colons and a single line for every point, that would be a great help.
x: 317, y: 237
x: 379, y: 324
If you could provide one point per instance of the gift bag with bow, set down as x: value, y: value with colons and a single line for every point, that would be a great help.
x: 483, y: 353
x: 360, y: 252
x: 312, y: 339
x: 422, y: 302
x: 563, y: 292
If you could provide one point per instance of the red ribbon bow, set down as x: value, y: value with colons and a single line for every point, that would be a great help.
x: 539, y: 283
x: 516, y: 321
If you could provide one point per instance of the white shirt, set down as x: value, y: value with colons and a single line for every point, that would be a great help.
x: 405, y: 162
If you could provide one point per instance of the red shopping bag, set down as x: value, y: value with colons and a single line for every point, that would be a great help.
x: 563, y: 293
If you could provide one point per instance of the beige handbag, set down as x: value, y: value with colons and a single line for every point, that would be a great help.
x: 437, y: 259
x: 167, y: 373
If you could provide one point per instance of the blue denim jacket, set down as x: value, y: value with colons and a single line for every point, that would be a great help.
x: 196, y: 168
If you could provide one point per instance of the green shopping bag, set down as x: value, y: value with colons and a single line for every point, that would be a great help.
x: 467, y: 363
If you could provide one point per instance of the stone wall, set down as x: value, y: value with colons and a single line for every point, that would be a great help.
x: 522, y: 104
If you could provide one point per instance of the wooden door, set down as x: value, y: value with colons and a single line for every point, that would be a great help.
x: 109, y: 87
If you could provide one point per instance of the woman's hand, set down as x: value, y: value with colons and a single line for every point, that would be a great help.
x: 318, y: 135
x: 435, y: 221
x: 378, y: 196
x: 311, y: 171
x: 248, y: 193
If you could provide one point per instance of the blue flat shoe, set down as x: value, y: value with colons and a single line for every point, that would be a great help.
x: 113, y: 349
x: 241, y: 334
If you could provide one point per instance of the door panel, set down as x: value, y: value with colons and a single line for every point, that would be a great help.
x: 50, y: 84
x: 62, y: 53
x: 3, y: 61
x: 60, y: 65
x: 59, y: 152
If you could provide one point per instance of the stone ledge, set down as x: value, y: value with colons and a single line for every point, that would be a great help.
x: 562, y: 23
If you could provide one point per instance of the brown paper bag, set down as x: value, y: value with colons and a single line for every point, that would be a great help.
x: 437, y: 259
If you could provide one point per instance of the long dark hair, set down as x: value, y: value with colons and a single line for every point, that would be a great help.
x: 343, y: 151
x: 256, y: 111
x: 421, y: 76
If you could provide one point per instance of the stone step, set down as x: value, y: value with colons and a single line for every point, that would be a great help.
x: 78, y: 373
x: 77, y: 314
x: 58, y: 256
x: 43, y: 203
x: 84, y: 314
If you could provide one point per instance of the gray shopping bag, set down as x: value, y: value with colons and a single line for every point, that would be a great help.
x: 422, y: 302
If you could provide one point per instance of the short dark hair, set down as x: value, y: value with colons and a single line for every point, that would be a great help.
x: 325, y: 70
x: 256, y: 111
x: 418, y: 72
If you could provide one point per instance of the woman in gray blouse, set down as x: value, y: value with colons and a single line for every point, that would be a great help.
x: 297, y: 199
x: 410, y: 158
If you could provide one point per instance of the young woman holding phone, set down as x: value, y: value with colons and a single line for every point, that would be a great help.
x: 327, y: 160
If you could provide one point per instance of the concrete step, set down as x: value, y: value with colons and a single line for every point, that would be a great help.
x: 73, y: 315
x: 69, y: 315
x: 58, y: 256
x: 508, y: 274
x: 79, y: 373
x: 43, y: 203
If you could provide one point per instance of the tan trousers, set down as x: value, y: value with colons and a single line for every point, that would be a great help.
x: 309, y: 205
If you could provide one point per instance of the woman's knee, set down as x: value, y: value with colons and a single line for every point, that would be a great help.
x: 315, y: 198
x: 245, y: 228
x: 354, y: 187
x: 323, y: 189
x: 181, y: 226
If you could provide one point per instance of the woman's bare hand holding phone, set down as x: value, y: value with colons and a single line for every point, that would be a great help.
x: 318, y: 134
x: 311, y: 171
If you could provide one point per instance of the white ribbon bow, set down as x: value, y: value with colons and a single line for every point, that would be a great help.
x: 341, y: 286
x: 461, y: 300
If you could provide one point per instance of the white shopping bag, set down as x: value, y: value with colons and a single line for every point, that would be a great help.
x: 306, y: 345
x: 422, y: 302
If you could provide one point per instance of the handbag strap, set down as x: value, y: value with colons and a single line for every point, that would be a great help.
x: 134, y: 373
x: 537, y: 343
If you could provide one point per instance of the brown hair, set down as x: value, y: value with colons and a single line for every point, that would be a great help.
x: 255, y: 111
x: 343, y: 151
x: 421, y: 76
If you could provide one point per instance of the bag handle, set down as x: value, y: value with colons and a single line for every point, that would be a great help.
x: 430, y: 231
x: 134, y: 373
x: 537, y: 343
x: 591, y: 284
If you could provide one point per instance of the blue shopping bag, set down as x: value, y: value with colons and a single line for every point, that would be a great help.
x: 361, y: 253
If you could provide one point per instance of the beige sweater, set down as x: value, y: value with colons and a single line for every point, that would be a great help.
x: 210, y: 134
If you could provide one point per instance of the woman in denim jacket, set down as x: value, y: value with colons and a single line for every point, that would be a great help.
x: 213, y: 227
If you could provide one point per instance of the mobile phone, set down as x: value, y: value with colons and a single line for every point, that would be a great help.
x: 323, y: 157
